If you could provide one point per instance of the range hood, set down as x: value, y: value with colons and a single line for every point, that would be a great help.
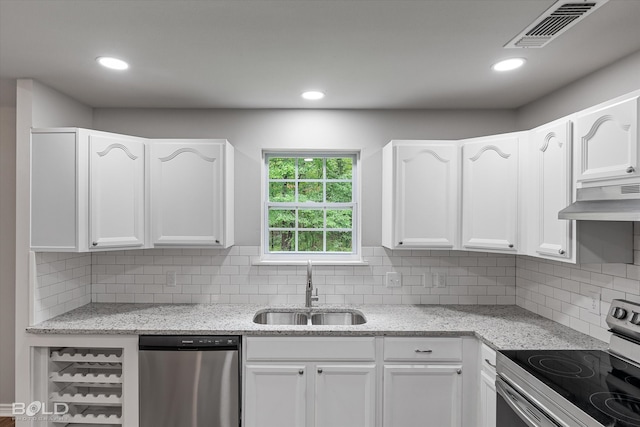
x: 606, y: 203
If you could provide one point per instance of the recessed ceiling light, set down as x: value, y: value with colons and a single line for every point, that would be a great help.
x: 112, y: 63
x: 508, y: 64
x: 313, y: 95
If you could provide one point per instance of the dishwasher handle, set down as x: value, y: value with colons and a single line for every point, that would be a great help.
x: 188, y: 342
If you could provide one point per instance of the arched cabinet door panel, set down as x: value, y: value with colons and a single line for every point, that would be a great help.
x: 607, y: 142
x: 552, y: 155
x: 490, y: 194
x: 189, y: 192
x: 116, y: 192
x: 421, y: 194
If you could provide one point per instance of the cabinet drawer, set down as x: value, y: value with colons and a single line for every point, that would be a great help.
x: 423, y: 349
x: 306, y: 348
x: 488, y: 357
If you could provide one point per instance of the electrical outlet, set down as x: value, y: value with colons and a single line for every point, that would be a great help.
x: 594, y: 302
x: 171, y: 279
x: 425, y: 282
x: 439, y: 280
x: 394, y: 279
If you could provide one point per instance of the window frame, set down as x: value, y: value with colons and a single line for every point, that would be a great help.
x: 295, y: 258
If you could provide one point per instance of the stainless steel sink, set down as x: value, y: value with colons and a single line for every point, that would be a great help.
x: 338, y: 318
x: 309, y: 317
x: 264, y: 317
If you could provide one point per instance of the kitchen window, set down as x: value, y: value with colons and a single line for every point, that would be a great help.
x: 310, y: 207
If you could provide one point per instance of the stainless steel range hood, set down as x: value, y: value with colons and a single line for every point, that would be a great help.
x: 606, y: 203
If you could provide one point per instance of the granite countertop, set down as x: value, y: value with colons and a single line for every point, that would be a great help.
x: 501, y: 327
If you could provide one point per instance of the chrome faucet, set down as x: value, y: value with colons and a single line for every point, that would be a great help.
x: 309, y: 298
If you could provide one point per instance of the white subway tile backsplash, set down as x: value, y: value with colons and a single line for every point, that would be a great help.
x: 562, y: 293
x: 223, y: 276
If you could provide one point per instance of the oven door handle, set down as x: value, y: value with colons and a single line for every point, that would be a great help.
x: 527, y: 412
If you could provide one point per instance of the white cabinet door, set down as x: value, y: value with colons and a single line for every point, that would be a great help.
x: 422, y: 395
x: 275, y: 396
x: 490, y: 194
x: 345, y: 395
x: 487, y: 399
x: 187, y: 187
x: 552, y: 145
x: 116, y: 195
x: 607, y: 142
x: 426, y: 194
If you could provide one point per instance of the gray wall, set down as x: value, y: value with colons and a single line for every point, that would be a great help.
x: 7, y: 236
x: 251, y: 130
x: 607, y: 83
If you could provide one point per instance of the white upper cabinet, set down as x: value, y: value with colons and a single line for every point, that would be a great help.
x: 607, y: 142
x: 87, y: 190
x: 116, y: 192
x: 490, y: 193
x: 192, y: 193
x: 421, y: 194
x: 550, y: 150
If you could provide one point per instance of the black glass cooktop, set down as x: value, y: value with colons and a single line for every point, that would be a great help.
x: 603, y: 386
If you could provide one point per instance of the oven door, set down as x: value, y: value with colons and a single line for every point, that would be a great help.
x: 514, y: 410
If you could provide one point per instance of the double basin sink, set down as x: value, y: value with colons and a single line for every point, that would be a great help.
x: 309, y: 316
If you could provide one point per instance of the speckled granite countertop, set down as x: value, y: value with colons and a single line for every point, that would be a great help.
x: 501, y: 327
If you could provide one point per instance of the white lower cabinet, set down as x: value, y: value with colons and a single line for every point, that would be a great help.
x: 275, y: 395
x: 487, y: 388
x: 293, y: 382
x: 360, y: 382
x: 345, y: 395
x: 422, y: 395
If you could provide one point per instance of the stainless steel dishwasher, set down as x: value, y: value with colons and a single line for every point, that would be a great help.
x: 189, y: 381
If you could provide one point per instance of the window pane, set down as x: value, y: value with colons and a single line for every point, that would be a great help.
x: 282, y: 191
x: 281, y: 241
x: 338, y: 192
x: 310, y: 241
x: 310, y: 169
x: 339, y: 218
x: 282, y: 168
x: 310, y: 192
x: 339, y: 168
x: 338, y: 241
x: 281, y: 218
x: 310, y: 218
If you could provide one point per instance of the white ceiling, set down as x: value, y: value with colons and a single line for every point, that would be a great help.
x: 264, y: 53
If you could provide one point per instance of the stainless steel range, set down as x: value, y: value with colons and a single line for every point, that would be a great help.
x: 575, y: 388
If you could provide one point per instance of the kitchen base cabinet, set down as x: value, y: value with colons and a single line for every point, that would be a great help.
x: 488, y: 397
x: 422, y: 395
x: 275, y: 396
x: 345, y: 395
x: 314, y: 382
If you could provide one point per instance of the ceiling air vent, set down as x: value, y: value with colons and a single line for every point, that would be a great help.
x: 553, y: 22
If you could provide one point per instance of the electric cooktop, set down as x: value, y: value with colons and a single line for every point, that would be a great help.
x: 602, y: 385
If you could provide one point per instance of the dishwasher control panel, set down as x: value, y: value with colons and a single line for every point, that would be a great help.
x: 188, y: 342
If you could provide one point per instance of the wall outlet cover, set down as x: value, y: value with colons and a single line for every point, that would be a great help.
x: 439, y: 280
x: 594, y: 302
x: 394, y: 279
x: 171, y: 279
